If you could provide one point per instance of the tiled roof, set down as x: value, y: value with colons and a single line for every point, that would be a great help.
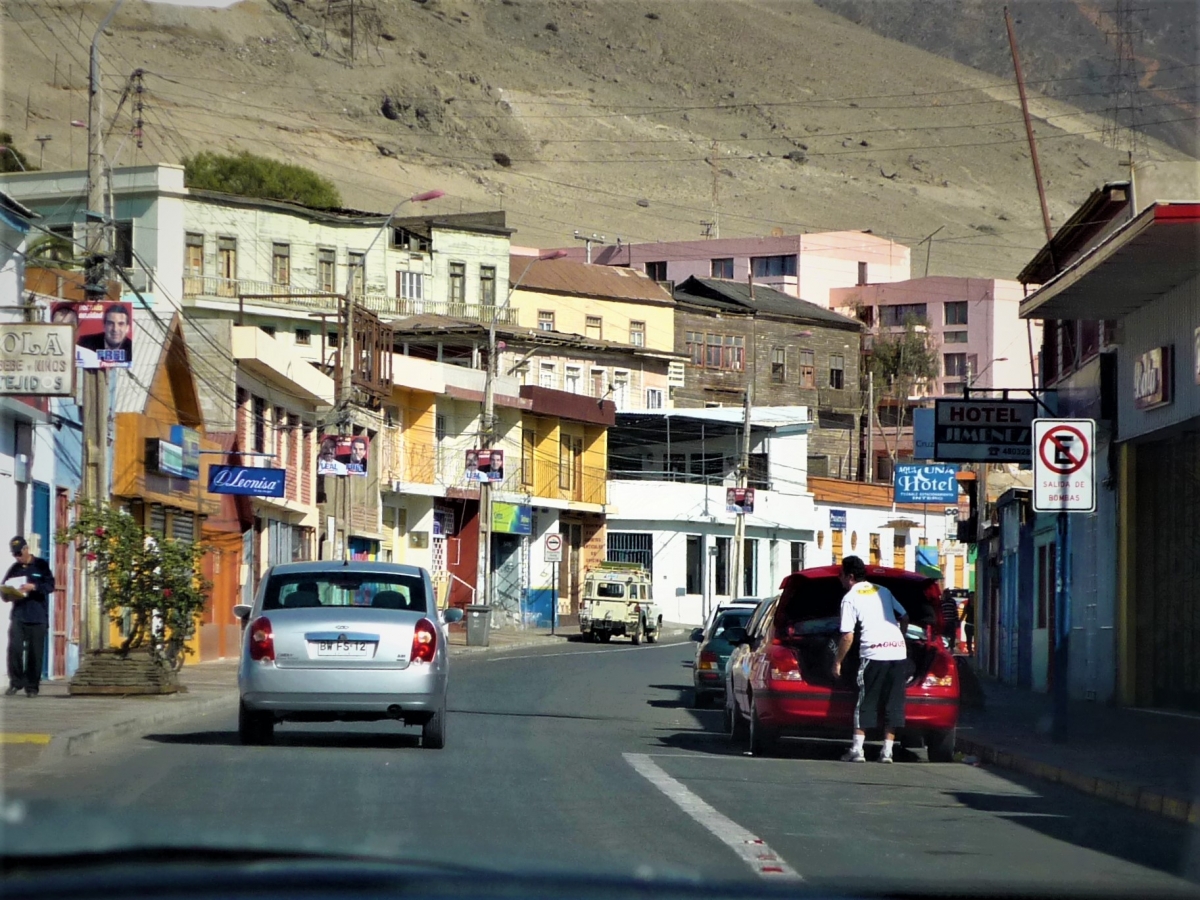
x: 565, y: 276
x: 735, y: 295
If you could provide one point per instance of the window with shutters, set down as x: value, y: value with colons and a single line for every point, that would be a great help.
x: 487, y: 285
x: 326, y: 270
x: 157, y: 520
x: 835, y: 545
x: 183, y: 526
x: 808, y: 369
x: 458, y: 282
x: 528, y: 438
x: 899, y: 548
x: 281, y: 264
x: 357, y: 275
x: 778, y: 365
x: 194, y: 260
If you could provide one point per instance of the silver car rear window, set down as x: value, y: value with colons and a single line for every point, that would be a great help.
x: 379, y: 590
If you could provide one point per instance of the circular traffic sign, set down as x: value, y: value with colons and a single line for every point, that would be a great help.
x: 1064, y: 458
x: 554, y: 542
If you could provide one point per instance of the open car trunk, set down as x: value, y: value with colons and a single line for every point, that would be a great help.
x: 809, y: 621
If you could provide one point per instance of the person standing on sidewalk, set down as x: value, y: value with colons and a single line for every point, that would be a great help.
x: 883, y: 655
x: 30, y: 618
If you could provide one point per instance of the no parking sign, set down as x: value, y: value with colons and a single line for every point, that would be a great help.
x: 1064, y: 465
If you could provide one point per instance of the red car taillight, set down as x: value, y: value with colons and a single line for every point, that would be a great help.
x: 262, y: 640
x: 942, y: 674
x: 424, y: 641
x: 708, y: 661
x: 783, y: 663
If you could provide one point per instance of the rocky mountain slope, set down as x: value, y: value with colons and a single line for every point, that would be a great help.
x: 637, y: 119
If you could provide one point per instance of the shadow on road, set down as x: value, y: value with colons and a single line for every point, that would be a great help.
x: 343, y: 740
x: 1098, y: 825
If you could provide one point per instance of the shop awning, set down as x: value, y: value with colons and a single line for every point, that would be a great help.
x: 1146, y: 258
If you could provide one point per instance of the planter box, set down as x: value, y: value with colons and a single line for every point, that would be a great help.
x: 107, y: 672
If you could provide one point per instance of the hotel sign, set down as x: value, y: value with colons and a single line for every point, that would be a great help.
x: 1152, y: 378
x: 984, y: 430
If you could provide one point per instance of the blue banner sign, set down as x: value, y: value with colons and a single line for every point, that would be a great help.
x: 188, y: 441
x: 246, y: 482
x: 916, y: 483
x: 923, y: 428
x: 837, y: 520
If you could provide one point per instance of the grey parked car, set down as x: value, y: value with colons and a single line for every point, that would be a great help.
x: 354, y: 642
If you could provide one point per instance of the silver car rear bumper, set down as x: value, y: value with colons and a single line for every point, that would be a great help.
x: 268, y: 687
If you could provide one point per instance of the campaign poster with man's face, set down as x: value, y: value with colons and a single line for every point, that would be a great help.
x: 103, y: 333
x: 343, y: 455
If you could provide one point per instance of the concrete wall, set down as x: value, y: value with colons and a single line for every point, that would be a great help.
x: 864, y: 521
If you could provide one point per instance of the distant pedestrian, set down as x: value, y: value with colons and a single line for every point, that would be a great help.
x: 950, y: 619
x: 968, y: 619
x: 31, y: 578
x: 883, y: 666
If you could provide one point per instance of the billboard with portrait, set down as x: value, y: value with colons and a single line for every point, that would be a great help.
x: 103, y: 332
x: 343, y: 454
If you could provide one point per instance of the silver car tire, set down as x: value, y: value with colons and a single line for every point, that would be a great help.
x: 255, y: 728
x: 433, y: 732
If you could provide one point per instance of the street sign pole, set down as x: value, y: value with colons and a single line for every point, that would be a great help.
x: 554, y: 600
x: 1062, y: 630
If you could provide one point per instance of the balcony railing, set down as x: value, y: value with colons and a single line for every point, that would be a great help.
x: 264, y: 292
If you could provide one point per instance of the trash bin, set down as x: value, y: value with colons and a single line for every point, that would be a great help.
x: 479, y: 625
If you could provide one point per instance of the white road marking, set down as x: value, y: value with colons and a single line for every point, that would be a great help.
x: 583, y: 652
x: 753, y: 850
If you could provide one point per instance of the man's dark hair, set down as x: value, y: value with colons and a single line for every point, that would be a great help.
x: 359, y: 440
x: 116, y: 308
x: 855, y: 568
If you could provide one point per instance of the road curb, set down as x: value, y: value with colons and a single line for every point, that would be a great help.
x: 1126, y: 793
x: 81, y: 740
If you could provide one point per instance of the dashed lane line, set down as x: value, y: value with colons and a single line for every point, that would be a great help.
x: 753, y: 850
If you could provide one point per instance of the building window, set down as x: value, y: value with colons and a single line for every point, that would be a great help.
x: 709, y: 466
x: 123, y: 246
x: 326, y: 270
x: 956, y: 312
x: 808, y: 369
x: 862, y: 272
x: 749, y: 567
x: 654, y: 398
x: 898, y: 315
x: 570, y: 454
x: 657, y: 270
x: 410, y: 285
x: 722, y: 268
x: 837, y: 371
x: 773, y: 266
x: 528, y: 437
x: 721, y: 566
x: 597, y: 382
x: 487, y: 285
x: 572, y: 378
x: 724, y: 351
x: 695, y: 564
x: 695, y: 347
x: 226, y: 261
x: 637, y: 334
x: 403, y: 239
x: 620, y: 392
x: 458, y: 282
x: 303, y: 337
x: 260, y: 425
x: 797, y: 559
x: 954, y: 337
x: 547, y: 375
x: 778, y: 365
x: 593, y: 328
x: 545, y: 320
x: 632, y: 547
x: 954, y: 365
x: 875, y: 558
x: 194, y: 259
x: 357, y: 276
x: 281, y: 264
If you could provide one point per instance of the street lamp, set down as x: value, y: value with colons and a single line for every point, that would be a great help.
x: 970, y: 382
x: 487, y: 428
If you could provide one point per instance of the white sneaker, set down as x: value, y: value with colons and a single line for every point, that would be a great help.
x: 855, y: 756
x: 885, y: 758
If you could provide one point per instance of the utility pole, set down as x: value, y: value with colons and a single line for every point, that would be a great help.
x: 1037, y: 167
x: 739, y: 523
x: 98, y: 217
x: 870, y: 428
x: 587, y: 244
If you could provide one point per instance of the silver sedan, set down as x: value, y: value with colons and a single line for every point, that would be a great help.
x: 355, y: 642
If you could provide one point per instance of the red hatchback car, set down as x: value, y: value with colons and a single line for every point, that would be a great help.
x: 779, y: 679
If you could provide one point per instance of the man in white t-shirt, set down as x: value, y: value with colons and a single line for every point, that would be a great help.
x: 883, y: 669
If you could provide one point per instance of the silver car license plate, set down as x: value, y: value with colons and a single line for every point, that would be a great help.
x: 345, y: 649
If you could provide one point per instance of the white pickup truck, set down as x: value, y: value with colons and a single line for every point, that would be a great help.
x: 618, y: 600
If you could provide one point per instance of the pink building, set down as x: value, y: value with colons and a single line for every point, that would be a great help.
x: 974, y: 323
x: 808, y: 266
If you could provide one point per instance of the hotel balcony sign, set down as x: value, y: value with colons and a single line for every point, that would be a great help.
x: 970, y: 430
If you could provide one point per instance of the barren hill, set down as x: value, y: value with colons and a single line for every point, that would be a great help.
x: 630, y: 118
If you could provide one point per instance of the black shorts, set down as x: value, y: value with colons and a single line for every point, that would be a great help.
x: 881, y: 684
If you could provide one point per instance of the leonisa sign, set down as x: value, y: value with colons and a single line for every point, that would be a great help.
x: 1152, y: 378
x: 37, y: 360
x: 246, y: 482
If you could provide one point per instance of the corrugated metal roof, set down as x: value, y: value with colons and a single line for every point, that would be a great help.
x: 565, y: 276
x: 722, y: 294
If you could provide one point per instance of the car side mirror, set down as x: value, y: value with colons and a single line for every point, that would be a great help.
x: 242, y: 611
x: 735, y: 635
x: 452, y: 615
x: 698, y: 635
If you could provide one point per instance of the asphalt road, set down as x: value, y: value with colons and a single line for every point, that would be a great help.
x: 587, y: 758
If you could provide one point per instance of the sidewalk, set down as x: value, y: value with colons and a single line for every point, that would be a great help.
x: 1147, y: 759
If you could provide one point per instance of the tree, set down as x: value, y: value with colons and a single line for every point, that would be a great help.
x: 12, y: 159
x: 899, y: 362
x: 154, y: 581
x: 249, y: 175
